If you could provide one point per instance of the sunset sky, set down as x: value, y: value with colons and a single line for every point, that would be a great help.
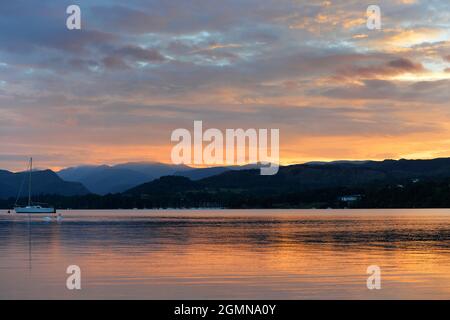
x: 114, y: 91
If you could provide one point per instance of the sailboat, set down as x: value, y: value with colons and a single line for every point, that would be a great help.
x: 31, y: 208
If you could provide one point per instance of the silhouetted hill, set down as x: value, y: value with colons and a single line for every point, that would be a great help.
x: 413, y: 168
x: 154, y: 169
x: 164, y: 185
x: 104, y: 179
x: 334, y: 174
x: 302, y: 185
x: 201, y: 173
x: 43, y: 182
x: 296, y: 177
x: 290, y: 178
x: 119, y: 178
x: 377, y: 184
x: 401, y: 169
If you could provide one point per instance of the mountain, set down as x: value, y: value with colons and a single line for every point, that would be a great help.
x: 104, y: 179
x: 296, y: 178
x: 334, y: 174
x: 293, y: 186
x: 248, y: 188
x: 43, y: 182
x: 289, y: 178
x: 201, y: 173
x: 165, y: 185
x: 377, y: 184
x: 154, y: 169
x: 403, y: 168
x: 114, y: 179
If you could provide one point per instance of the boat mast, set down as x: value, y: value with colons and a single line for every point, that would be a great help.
x: 29, y: 182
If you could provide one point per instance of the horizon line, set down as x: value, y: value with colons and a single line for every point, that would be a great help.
x: 281, y: 164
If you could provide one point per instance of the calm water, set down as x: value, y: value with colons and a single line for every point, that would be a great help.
x: 258, y: 254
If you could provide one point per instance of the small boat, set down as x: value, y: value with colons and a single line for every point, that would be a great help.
x: 32, y: 208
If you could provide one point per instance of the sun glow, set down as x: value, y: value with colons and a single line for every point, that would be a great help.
x: 431, y: 76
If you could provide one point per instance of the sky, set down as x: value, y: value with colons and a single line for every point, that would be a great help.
x: 115, y: 90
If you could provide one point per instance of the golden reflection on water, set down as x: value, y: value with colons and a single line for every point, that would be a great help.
x: 296, y: 254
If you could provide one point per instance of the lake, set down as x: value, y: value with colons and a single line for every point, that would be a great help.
x: 227, y: 254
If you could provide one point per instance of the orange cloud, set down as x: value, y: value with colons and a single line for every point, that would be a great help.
x: 403, y: 39
x: 389, y: 69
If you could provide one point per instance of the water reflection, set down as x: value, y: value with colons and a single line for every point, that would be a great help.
x: 227, y: 254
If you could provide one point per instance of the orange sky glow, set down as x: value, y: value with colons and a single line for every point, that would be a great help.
x: 114, y: 91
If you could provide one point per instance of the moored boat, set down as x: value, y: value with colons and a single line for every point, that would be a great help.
x: 30, y: 207
x: 34, y: 209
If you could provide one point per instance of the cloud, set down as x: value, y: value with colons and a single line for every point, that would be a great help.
x: 390, y: 68
x: 140, y: 54
x: 114, y: 62
x: 424, y: 91
x: 124, y: 57
x: 139, y: 69
x: 405, y: 65
x: 412, y: 37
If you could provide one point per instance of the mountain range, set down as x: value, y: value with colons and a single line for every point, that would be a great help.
x: 105, y: 179
x: 305, y: 177
x: 152, y: 180
x: 302, y: 177
x: 44, y: 182
x: 403, y: 183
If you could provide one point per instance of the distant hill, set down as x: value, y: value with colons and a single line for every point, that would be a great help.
x: 165, y: 185
x: 104, y: 179
x: 333, y: 174
x: 201, y: 173
x: 377, y: 184
x: 289, y: 178
x: 154, y: 169
x: 114, y: 179
x: 247, y: 187
x: 43, y: 182
x: 296, y: 177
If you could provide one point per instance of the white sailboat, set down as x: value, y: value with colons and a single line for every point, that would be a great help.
x: 31, y: 208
